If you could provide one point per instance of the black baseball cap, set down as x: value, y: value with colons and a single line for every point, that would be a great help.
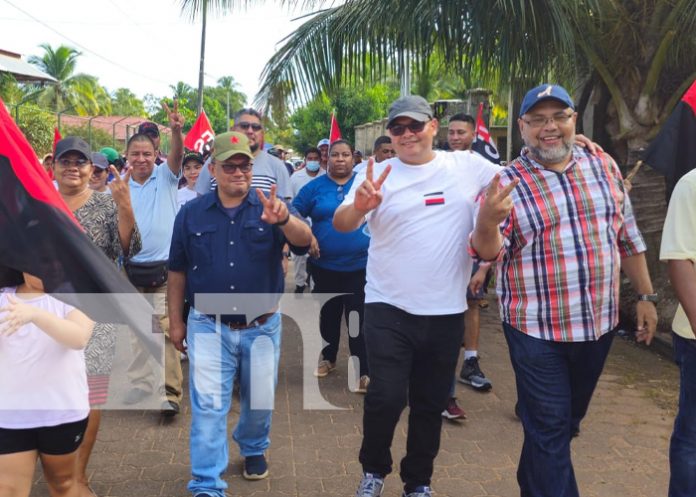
x: 413, y: 106
x: 193, y: 156
x: 73, y: 144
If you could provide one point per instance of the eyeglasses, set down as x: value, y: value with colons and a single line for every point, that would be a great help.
x: 246, y: 125
x: 539, y: 121
x: 413, y: 127
x: 77, y: 162
x: 232, y: 168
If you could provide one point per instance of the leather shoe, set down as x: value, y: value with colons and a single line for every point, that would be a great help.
x: 169, y: 409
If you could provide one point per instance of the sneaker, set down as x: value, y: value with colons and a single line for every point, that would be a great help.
x: 362, y: 384
x: 255, y: 468
x: 323, y: 368
x: 453, y: 411
x: 371, y: 485
x: 472, y: 375
x: 421, y: 491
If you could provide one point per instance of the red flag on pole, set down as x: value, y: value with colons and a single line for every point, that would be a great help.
x: 483, y: 145
x: 335, y: 130
x: 56, y: 139
x: 200, y: 134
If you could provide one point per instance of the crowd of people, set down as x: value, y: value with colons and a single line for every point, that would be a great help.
x: 554, y: 226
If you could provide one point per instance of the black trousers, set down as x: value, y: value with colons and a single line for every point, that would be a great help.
x: 412, y: 359
x: 352, y: 283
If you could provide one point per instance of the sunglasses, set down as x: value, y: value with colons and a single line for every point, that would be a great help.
x: 413, y: 127
x: 232, y: 168
x: 245, y: 126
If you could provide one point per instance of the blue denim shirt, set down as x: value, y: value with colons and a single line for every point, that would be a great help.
x: 220, y: 254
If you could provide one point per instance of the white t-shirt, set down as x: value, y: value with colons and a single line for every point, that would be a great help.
x: 418, y: 259
x: 184, y: 195
x: 301, y: 178
x: 42, y: 382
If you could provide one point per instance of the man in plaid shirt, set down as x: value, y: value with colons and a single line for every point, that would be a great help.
x: 561, y: 227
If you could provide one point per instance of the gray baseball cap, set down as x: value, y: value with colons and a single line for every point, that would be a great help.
x: 100, y: 160
x: 413, y: 106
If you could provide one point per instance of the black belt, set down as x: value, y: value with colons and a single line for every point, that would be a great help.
x: 259, y: 321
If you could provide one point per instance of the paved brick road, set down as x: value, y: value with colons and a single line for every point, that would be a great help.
x: 622, y: 450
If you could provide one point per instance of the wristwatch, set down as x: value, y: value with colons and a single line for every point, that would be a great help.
x: 649, y: 297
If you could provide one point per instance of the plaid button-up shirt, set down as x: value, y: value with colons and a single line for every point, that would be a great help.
x: 558, y: 273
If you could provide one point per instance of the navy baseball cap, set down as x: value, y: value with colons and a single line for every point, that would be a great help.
x: 545, y: 92
x: 149, y: 128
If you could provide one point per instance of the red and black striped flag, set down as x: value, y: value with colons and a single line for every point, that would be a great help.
x: 673, y: 152
x: 483, y: 144
x: 40, y: 236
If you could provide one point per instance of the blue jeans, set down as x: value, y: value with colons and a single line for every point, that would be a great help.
x: 555, y: 382
x: 682, y: 448
x: 217, y: 355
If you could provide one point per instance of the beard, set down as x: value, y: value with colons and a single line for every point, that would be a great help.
x: 553, y: 155
x: 253, y: 147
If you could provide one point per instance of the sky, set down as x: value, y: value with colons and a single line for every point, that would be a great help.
x: 148, y: 45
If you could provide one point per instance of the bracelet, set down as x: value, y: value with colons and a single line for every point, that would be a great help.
x: 284, y: 221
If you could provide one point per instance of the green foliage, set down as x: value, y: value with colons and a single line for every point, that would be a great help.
x: 79, y: 93
x: 125, y: 103
x: 97, y: 140
x: 37, y: 126
x: 214, y: 103
x: 10, y: 92
x: 353, y: 106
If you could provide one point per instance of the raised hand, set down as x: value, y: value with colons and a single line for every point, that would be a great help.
x: 176, y: 120
x: 120, y: 191
x: 274, y: 210
x: 15, y: 315
x: 498, y: 203
x: 369, y: 194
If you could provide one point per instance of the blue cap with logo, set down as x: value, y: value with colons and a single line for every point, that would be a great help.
x: 545, y: 92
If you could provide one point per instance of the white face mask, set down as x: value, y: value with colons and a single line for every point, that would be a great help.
x: 312, y: 166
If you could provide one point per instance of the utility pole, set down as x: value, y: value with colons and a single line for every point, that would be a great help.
x: 201, y: 71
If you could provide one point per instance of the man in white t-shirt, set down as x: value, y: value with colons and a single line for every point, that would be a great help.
x: 679, y: 250
x: 312, y: 169
x: 419, y: 208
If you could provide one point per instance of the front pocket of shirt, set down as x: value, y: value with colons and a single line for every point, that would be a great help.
x: 259, y: 236
x: 201, y: 243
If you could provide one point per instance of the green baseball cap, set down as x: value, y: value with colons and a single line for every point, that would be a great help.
x: 231, y: 143
x: 110, y: 153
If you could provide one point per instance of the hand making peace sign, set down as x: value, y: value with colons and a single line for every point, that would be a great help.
x: 369, y: 194
x: 176, y: 120
x: 498, y: 203
x: 120, y: 191
x: 274, y: 209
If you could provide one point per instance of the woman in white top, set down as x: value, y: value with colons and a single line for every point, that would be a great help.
x: 43, y: 389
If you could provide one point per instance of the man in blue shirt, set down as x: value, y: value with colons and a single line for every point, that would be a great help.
x: 153, y: 190
x: 230, y: 242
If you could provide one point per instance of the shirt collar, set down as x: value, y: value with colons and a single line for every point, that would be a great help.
x: 211, y: 199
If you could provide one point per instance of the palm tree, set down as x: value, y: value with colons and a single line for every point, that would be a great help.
x: 80, y: 93
x: 629, y: 61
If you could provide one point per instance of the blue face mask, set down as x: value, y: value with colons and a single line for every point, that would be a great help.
x: 312, y: 166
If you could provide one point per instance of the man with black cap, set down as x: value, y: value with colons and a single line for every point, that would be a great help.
x: 152, y: 130
x: 419, y: 207
x: 230, y: 241
x: 560, y: 239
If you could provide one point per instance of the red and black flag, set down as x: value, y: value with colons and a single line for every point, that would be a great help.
x: 673, y: 152
x: 40, y: 236
x: 483, y: 145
